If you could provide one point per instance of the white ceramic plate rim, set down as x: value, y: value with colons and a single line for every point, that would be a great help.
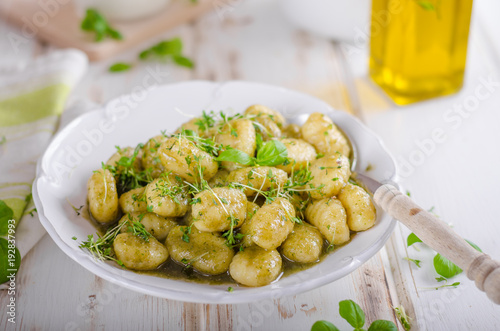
x: 208, y: 293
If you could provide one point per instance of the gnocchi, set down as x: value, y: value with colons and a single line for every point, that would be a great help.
x: 281, y: 191
x: 103, y: 196
x: 205, y: 251
x: 137, y: 253
x: 361, y: 213
x: 320, y: 131
x: 256, y: 266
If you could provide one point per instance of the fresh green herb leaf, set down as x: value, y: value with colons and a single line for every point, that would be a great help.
x: 186, y: 231
x: 324, y: 326
x: 120, y: 66
x: 455, y: 284
x: 183, y: 61
x: 259, y: 141
x: 168, y: 50
x: 76, y: 210
x: 272, y: 153
x: 31, y: 212
x: 96, y: 23
x: 383, y: 325
x: 417, y: 262
x: 137, y: 228
x: 230, y: 289
x: 476, y: 247
x: 206, y: 121
x: 352, y: 313
x: 236, y: 156
x: 441, y: 279
x: 74, y: 238
x: 127, y: 175
x: 6, y: 214
x: 10, y: 260
x: 412, y: 239
x: 408, y: 193
x: 194, y: 201
x: 403, y: 318
x: 445, y: 267
x: 101, y: 248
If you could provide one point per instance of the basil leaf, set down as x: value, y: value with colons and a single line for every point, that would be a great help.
x: 183, y: 61
x: 4, y: 260
x: 324, y: 326
x: 474, y: 245
x: 382, y: 325
x: 168, y: 47
x: 120, y: 66
x: 95, y: 22
x: 412, y: 239
x: 236, y: 156
x: 445, y: 267
x: 258, y: 141
x: 272, y: 153
x: 352, y: 313
x: 6, y: 214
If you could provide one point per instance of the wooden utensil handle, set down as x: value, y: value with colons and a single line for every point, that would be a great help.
x: 439, y: 236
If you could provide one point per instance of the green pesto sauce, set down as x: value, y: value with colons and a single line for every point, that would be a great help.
x: 173, y: 270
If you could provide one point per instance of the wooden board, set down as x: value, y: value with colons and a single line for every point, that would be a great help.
x: 60, y: 24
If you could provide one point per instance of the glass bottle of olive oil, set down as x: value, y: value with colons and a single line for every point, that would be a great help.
x: 418, y: 47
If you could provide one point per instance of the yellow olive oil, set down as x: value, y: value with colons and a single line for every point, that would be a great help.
x: 418, y: 48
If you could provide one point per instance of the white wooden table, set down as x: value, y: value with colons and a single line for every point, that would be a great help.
x: 252, y: 41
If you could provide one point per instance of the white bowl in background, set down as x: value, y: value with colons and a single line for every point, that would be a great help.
x: 336, y: 19
x: 64, y: 169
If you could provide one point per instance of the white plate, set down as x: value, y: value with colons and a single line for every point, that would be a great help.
x: 78, y: 149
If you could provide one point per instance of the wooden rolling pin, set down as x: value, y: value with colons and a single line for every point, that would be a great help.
x: 479, y: 266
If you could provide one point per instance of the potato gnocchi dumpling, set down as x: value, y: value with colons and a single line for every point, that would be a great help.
x: 219, y: 179
x: 157, y: 226
x: 329, y: 216
x: 246, y: 237
x: 292, y: 131
x: 137, y: 253
x: 103, y: 196
x: 304, y: 244
x: 269, y: 122
x: 219, y: 209
x: 320, y: 131
x: 166, y: 196
x: 133, y: 201
x: 182, y: 157
x: 330, y: 174
x: 228, y: 196
x: 361, y: 213
x: 300, y: 154
x: 150, y: 158
x: 254, y: 179
x: 204, y: 251
x: 272, y: 223
x: 256, y: 266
